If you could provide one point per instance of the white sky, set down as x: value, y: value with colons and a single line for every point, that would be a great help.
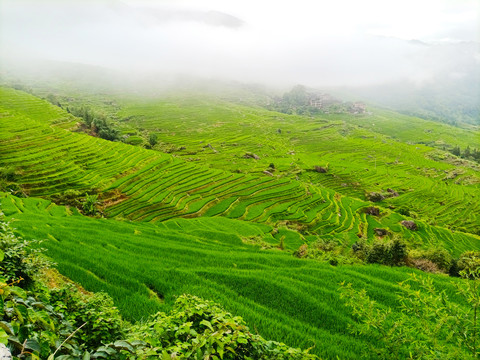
x: 303, y: 41
x: 407, y: 19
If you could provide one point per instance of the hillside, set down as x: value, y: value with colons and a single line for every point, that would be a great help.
x: 239, y: 180
x: 223, y: 204
x: 144, y: 185
x: 364, y: 153
x: 145, y: 266
x: 367, y: 153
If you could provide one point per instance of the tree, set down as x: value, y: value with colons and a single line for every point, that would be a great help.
x: 476, y: 154
x: 87, y: 116
x: 391, y: 253
x: 153, y: 139
x: 89, y: 204
x: 296, y: 99
x: 53, y: 100
x: 469, y: 262
x: 104, y: 129
x: 456, y: 151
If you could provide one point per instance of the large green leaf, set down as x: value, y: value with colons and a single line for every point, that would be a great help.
x: 6, y: 327
x: 3, y: 336
x: 123, y: 345
x: 32, y: 345
x: 19, y: 292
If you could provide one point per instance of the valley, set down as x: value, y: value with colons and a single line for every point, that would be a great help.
x: 226, y: 198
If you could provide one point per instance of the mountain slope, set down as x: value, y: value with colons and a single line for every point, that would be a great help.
x: 145, y: 266
x: 363, y: 153
x: 138, y: 184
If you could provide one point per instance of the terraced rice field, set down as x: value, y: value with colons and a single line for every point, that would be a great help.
x: 190, y: 217
x: 364, y: 153
x: 415, y: 130
x: 19, y: 102
x: 144, y: 266
x: 142, y: 185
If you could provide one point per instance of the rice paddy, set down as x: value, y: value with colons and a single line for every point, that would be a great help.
x: 185, y: 216
x: 145, y: 266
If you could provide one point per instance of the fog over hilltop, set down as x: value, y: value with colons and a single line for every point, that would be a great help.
x: 316, y: 43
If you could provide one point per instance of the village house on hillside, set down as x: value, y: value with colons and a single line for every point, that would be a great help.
x: 322, y: 101
x: 325, y: 102
x: 358, y: 108
x: 300, y: 101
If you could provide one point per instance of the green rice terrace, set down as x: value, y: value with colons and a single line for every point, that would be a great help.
x: 358, y: 160
x: 144, y: 266
x: 227, y: 200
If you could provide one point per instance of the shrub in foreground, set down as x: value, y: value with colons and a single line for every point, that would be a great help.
x: 469, y: 261
x: 428, y: 326
x: 200, y: 329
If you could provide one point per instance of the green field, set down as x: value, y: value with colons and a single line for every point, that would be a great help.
x: 143, y: 185
x: 364, y: 153
x: 145, y: 266
x: 185, y: 216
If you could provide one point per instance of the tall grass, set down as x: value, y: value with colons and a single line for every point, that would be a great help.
x: 145, y: 266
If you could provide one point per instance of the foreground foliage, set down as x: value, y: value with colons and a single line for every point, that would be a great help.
x: 65, y: 324
x: 145, y: 267
x: 198, y: 329
x: 429, y: 324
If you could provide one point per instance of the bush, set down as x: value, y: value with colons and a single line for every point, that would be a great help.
x: 153, y: 139
x: 377, y: 253
x: 101, y: 321
x: 8, y: 173
x: 403, y: 211
x: 424, y: 265
x: 96, y: 122
x: 440, y: 257
x: 89, y: 204
x: 325, y: 245
x: 83, y: 112
x: 325, y: 250
x: 375, y: 196
x: 12, y: 188
x: 469, y: 262
x: 105, y: 129
x: 392, y: 253
x: 199, y: 329
x: 30, y: 327
x: 17, y: 258
x: 302, y: 251
x: 69, y: 197
x: 429, y: 325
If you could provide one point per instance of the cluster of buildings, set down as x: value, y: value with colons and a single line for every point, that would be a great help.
x: 328, y: 103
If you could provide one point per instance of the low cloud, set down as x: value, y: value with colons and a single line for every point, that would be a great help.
x: 279, y: 43
x: 152, y: 16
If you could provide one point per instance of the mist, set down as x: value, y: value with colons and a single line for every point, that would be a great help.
x: 316, y: 43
